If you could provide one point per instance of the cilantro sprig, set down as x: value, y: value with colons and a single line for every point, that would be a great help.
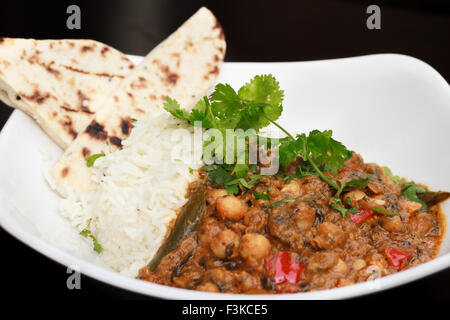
x: 254, y: 106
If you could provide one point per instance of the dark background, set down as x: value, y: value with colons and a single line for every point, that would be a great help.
x: 255, y: 31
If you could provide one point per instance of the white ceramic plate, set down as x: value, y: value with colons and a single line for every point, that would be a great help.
x: 392, y: 109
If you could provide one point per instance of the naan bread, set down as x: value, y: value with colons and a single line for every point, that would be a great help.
x: 184, y: 67
x: 60, y: 83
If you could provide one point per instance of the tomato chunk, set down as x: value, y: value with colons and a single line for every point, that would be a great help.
x: 361, y: 216
x: 395, y: 257
x: 284, y: 267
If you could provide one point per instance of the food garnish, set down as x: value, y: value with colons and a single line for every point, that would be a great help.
x: 88, y: 234
x: 254, y: 106
x: 91, y: 159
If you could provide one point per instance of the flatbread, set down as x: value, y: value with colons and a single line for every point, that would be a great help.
x: 60, y: 83
x: 184, y: 67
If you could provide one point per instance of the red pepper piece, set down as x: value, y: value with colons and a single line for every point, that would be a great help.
x: 284, y: 267
x: 395, y: 257
x: 361, y: 216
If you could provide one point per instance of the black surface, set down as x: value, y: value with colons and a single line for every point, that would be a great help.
x: 255, y: 31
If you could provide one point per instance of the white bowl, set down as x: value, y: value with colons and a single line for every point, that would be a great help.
x: 392, y: 109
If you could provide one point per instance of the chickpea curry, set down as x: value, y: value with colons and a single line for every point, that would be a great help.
x: 293, y: 240
x: 325, y: 219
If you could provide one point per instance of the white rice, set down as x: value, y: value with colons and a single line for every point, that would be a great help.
x: 139, y: 189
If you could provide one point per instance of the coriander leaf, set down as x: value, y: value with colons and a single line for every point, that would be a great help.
x: 289, y: 149
x: 359, y: 183
x: 220, y: 176
x: 264, y: 89
x: 410, y: 191
x: 240, y: 170
x: 388, y: 173
x: 263, y: 195
x: 337, y: 205
x: 88, y: 234
x: 327, y: 153
x: 91, y: 159
x: 203, y: 113
x: 173, y: 107
x: 383, y: 211
x: 232, y: 189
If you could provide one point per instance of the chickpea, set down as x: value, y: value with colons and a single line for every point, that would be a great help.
x: 254, y: 246
x: 247, y: 281
x: 292, y: 188
x: 230, y: 207
x: 207, y: 287
x: 342, y: 282
x: 329, y: 236
x: 220, y: 275
x: 322, y: 261
x: 421, y: 223
x: 255, y: 219
x: 304, y: 217
x: 392, y: 224
x: 210, y: 227
x: 340, y: 267
x: 212, y: 195
x: 410, y: 206
x: 358, y: 264
x: 225, y: 244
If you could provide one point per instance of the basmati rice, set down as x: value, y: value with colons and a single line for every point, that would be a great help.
x: 139, y: 190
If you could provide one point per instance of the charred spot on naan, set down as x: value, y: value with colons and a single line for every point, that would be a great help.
x: 65, y: 172
x: 37, y: 96
x: 100, y: 74
x: 126, y: 126
x: 85, y: 49
x: 169, y: 76
x: 189, y: 46
x: 84, y: 102
x: 140, y: 83
x: 104, y: 50
x: 66, y: 107
x: 51, y: 70
x: 85, y: 152
x: 5, y: 64
x: 34, y: 59
x: 116, y: 141
x: 96, y: 131
x: 68, y: 126
x: 214, y: 71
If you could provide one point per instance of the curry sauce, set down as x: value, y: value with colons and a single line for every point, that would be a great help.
x: 284, y: 235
